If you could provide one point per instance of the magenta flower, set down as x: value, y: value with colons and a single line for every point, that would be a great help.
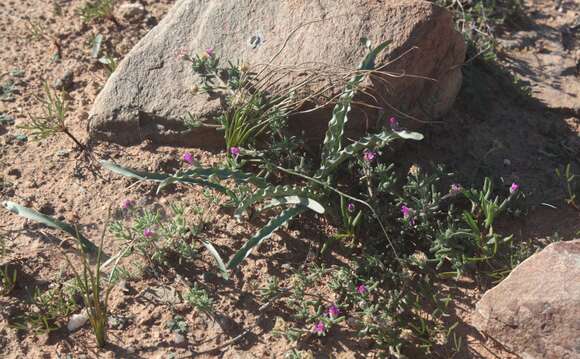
x: 369, y: 155
x: 455, y: 188
x: 394, y: 123
x: 148, y: 233
x: 188, y: 157
x: 235, y: 151
x: 334, y: 311
x: 361, y: 289
x: 514, y: 187
x: 350, y: 207
x: 127, y: 204
x: 209, y: 51
x: 319, y: 328
x: 407, y: 213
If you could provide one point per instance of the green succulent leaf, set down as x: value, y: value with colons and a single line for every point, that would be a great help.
x: 333, y: 138
x: 263, y: 234
x: 33, y: 215
x: 224, y: 173
x: 378, y: 140
x: 178, y: 178
x: 219, y: 261
x: 196, y: 176
x: 127, y: 172
x: 296, y: 200
x: 269, y: 193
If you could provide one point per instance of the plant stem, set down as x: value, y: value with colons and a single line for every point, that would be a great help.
x: 70, y: 135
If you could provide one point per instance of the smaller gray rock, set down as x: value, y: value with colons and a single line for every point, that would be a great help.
x: 131, y: 11
x: 535, y: 311
x: 64, y: 82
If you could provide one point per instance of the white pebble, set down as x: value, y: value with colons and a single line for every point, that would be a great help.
x: 77, y: 321
x: 178, y: 338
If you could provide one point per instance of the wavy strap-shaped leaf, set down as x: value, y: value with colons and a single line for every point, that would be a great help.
x: 333, y: 137
x: 33, y: 215
x: 224, y: 173
x: 296, y: 200
x: 372, y: 141
x: 203, y: 173
x: 215, y: 254
x: 263, y: 234
x: 270, y: 192
x: 127, y: 172
x: 192, y: 181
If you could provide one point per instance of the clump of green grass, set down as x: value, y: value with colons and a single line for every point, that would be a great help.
x: 95, y: 293
x: 98, y: 10
x: 52, y: 121
x: 478, y: 21
x: 88, y: 280
x: 46, y: 310
x: 571, y: 187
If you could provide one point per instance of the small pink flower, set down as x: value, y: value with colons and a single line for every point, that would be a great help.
x: 350, y: 207
x: 514, y: 187
x: 127, y: 204
x: 235, y: 151
x: 188, y: 157
x: 455, y: 188
x: 361, y: 289
x: 148, y: 233
x: 407, y: 213
x: 209, y: 51
x: 319, y: 328
x: 182, y: 54
x: 334, y: 311
x: 369, y: 155
x: 394, y: 123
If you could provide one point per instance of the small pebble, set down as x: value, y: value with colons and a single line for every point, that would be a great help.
x: 77, y: 321
x: 178, y: 338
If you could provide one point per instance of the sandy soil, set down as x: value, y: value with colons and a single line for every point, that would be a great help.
x: 514, y: 139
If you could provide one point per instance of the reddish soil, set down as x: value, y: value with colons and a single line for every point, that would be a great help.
x: 517, y: 140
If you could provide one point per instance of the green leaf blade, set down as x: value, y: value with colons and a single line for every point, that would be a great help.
x: 263, y: 234
x: 296, y: 200
x: 219, y: 261
x: 33, y: 215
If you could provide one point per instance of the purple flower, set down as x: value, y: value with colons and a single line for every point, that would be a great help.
x: 127, y: 204
x: 209, y: 51
x: 319, y: 328
x: 369, y: 155
x: 148, y: 233
x: 407, y: 214
x: 361, y: 289
x: 350, y: 207
x: 394, y: 123
x: 188, y: 157
x: 406, y: 211
x: 235, y: 151
x: 514, y: 187
x: 455, y: 188
x: 334, y: 311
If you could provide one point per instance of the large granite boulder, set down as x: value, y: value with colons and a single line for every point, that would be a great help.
x: 150, y: 92
x: 535, y: 311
